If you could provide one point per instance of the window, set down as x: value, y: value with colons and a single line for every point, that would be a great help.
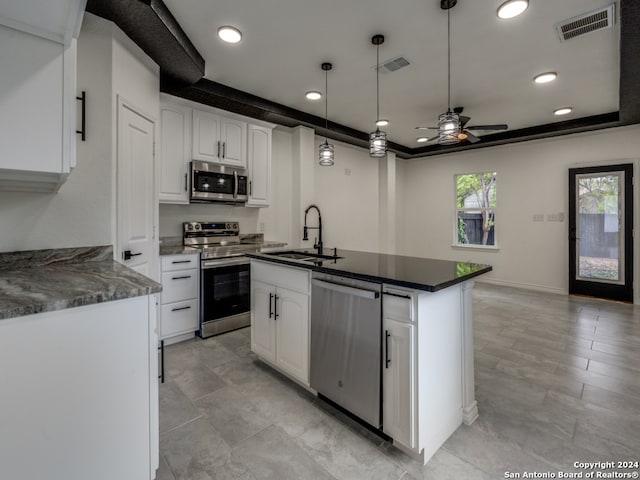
x: 475, y: 209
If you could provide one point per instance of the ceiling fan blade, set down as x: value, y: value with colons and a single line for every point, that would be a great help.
x: 501, y: 126
x: 471, y: 138
x: 426, y: 128
x: 464, y: 120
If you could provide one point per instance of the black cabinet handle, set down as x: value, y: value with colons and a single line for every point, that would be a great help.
x: 387, y: 360
x: 126, y: 255
x: 83, y: 122
x: 218, y: 148
x: 181, y: 278
x: 250, y: 187
x: 185, y: 183
x: 161, y: 348
x: 224, y: 149
x: 181, y: 261
x: 270, y: 311
x: 180, y: 308
x: 408, y: 297
x: 276, y: 308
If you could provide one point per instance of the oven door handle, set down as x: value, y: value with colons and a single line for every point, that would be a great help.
x: 224, y: 262
x: 235, y: 184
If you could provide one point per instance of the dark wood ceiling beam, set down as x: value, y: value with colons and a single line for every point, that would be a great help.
x: 150, y: 24
x: 629, y: 62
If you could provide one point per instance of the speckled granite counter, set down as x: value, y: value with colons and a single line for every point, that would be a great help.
x: 46, y: 280
x: 419, y: 273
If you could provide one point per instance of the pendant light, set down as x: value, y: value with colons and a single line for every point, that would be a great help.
x: 449, y: 127
x: 326, y: 149
x: 377, y: 139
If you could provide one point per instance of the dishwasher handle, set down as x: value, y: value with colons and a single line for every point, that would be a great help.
x: 358, y: 292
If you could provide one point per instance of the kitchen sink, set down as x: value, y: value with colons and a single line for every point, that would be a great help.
x: 304, y: 256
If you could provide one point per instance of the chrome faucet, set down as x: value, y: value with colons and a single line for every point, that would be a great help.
x: 305, y: 230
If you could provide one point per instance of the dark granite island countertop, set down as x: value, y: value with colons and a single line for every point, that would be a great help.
x: 412, y: 272
x: 46, y: 280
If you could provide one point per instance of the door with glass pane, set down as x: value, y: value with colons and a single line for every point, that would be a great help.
x: 601, y: 232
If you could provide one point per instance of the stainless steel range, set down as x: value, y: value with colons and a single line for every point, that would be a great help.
x: 225, y: 302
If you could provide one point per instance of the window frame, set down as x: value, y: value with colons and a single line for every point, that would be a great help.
x: 457, y: 210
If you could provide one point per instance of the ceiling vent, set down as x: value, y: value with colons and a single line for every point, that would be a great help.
x: 588, y: 22
x: 393, y: 65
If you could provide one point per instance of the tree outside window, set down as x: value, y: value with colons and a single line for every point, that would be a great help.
x: 476, y: 209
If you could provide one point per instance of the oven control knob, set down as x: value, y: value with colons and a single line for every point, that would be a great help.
x: 190, y: 227
x: 198, y: 226
x: 235, y: 226
x: 228, y: 226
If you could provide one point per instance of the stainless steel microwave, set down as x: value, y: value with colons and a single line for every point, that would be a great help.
x: 211, y: 182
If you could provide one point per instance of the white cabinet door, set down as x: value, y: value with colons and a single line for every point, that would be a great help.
x: 206, y: 137
x: 259, y: 166
x: 175, y: 152
x: 292, y: 330
x: 136, y: 191
x: 263, y: 324
x: 233, y: 142
x: 398, y: 382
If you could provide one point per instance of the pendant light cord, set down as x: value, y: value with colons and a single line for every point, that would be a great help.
x: 449, y: 59
x: 377, y: 85
x: 326, y: 103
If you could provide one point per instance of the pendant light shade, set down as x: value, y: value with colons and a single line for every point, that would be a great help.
x: 326, y: 152
x: 377, y: 139
x: 449, y: 128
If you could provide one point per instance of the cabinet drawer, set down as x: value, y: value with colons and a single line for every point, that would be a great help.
x: 398, y: 304
x: 296, y: 279
x: 179, y: 262
x: 179, y: 285
x: 179, y: 317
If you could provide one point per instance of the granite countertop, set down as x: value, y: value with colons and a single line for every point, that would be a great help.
x: 46, y: 280
x: 412, y: 272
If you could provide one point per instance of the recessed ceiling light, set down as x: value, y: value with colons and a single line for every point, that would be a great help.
x: 422, y: 139
x: 313, y: 95
x: 229, y: 34
x: 382, y: 122
x: 545, y: 77
x: 563, y: 111
x: 512, y: 8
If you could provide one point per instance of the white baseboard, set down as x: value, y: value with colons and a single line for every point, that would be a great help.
x: 525, y: 286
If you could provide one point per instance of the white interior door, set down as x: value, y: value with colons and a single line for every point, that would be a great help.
x: 135, y: 195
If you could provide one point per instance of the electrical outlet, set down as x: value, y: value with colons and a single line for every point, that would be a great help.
x: 538, y: 217
x: 347, y: 172
x: 261, y: 227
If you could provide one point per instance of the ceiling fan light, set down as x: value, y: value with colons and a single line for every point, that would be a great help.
x: 313, y: 95
x: 545, y: 77
x: 449, y: 128
x: 422, y: 139
x: 462, y: 136
x: 512, y: 8
x: 382, y: 123
x: 563, y: 111
x: 229, y: 34
x: 326, y: 154
x: 377, y: 143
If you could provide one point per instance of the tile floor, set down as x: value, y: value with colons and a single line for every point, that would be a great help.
x: 557, y: 382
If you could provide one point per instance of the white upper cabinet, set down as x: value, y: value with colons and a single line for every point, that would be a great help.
x: 175, y: 153
x: 38, y: 93
x: 218, y: 139
x: 259, y: 166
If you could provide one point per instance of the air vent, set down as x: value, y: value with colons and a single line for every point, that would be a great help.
x: 588, y: 22
x: 393, y: 65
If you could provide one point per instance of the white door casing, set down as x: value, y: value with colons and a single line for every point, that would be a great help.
x: 135, y: 196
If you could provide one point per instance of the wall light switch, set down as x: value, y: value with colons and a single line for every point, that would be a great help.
x: 538, y: 217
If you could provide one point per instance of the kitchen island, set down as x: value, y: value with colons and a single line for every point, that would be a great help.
x: 424, y: 339
x: 78, y: 345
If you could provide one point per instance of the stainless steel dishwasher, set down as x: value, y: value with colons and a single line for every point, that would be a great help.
x: 346, y: 322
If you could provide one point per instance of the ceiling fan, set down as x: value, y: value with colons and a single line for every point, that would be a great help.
x: 452, y: 127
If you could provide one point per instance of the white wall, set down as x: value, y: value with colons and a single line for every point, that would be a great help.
x: 532, y: 178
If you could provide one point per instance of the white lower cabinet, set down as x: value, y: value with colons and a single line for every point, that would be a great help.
x: 398, y: 379
x: 179, y: 311
x: 81, y: 397
x: 280, y: 317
